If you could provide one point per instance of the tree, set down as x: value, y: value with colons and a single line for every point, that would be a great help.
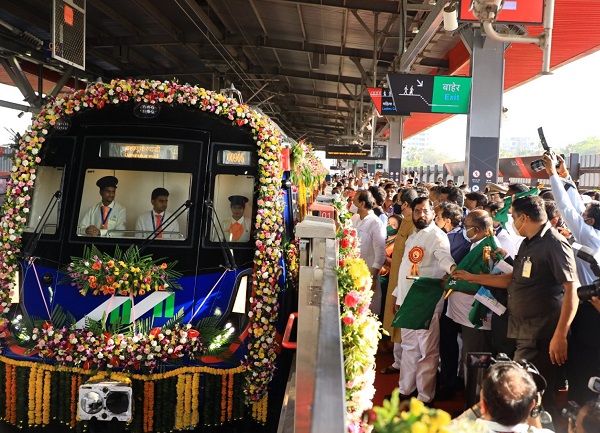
x: 589, y: 146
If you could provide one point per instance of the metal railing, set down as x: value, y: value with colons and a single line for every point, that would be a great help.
x: 315, y: 396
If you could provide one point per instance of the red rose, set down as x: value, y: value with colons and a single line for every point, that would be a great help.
x: 345, y: 243
x: 351, y: 299
x: 348, y: 320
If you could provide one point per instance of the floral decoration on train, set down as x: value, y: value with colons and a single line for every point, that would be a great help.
x: 120, y: 346
x: 360, y: 328
x: 269, y: 224
x: 124, y: 274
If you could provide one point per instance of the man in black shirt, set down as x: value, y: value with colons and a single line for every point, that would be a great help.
x: 542, y: 291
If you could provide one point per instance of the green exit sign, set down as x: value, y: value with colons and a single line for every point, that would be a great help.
x: 417, y: 93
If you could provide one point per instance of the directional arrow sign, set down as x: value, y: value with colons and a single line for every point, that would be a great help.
x: 430, y: 93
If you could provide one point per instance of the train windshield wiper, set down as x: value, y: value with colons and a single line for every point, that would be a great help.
x: 37, y: 233
x: 165, y: 224
x: 225, y: 247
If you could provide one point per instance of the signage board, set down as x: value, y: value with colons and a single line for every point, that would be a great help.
x: 384, y: 102
x: 513, y: 11
x: 417, y: 93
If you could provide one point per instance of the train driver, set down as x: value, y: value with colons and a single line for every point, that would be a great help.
x: 149, y: 221
x: 238, y: 226
x: 107, y: 214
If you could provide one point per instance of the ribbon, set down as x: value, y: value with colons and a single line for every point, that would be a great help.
x: 415, y: 255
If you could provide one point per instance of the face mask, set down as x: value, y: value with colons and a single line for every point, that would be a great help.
x: 391, y: 231
x: 397, y: 209
x: 336, y: 196
x: 353, y: 208
x: 465, y: 233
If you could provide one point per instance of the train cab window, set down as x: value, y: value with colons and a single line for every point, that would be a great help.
x: 233, y: 205
x: 134, y: 204
x: 44, y: 200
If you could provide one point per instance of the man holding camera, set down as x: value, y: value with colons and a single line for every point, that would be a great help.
x: 510, y: 401
x: 583, y: 221
x: 542, y: 297
x: 588, y: 418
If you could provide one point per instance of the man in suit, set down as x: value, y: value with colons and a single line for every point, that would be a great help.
x: 105, y: 215
x: 237, y: 227
x: 149, y: 221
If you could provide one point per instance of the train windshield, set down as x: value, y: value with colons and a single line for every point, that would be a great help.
x: 233, y: 207
x: 134, y: 204
x: 44, y: 205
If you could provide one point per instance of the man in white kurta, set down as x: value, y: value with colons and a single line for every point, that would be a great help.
x: 106, y: 215
x: 371, y: 232
x: 427, y: 254
x: 155, y: 218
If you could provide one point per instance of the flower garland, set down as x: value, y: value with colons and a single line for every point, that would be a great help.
x: 260, y: 359
x: 56, y: 391
x: 360, y: 328
x: 92, y: 351
x: 128, y: 274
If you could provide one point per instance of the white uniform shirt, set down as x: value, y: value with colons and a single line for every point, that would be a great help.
x: 228, y: 222
x: 371, y: 232
x: 146, y: 223
x: 93, y: 217
x: 436, y: 262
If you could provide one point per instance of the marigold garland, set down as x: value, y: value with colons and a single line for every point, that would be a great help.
x: 269, y: 221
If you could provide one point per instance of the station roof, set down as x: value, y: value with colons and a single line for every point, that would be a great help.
x: 305, y: 63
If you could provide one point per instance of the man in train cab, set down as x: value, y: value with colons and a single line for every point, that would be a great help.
x: 154, y: 219
x: 238, y: 226
x: 107, y: 214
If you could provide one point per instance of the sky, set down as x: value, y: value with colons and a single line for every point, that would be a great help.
x: 556, y: 102
x: 568, y: 111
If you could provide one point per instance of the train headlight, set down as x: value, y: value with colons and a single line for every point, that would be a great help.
x: 105, y: 400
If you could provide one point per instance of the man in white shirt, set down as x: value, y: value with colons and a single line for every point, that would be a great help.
x: 237, y: 227
x: 154, y: 219
x: 426, y: 254
x: 372, y: 233
x: 105, y: 215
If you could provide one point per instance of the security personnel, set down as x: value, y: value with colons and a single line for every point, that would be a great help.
x: 107, y: 214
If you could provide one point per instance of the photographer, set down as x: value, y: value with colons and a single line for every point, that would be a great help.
x: 588, y: 418
x: 584, y: 223
x: 509, y: 400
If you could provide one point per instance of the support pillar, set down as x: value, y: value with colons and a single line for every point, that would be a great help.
x: 483, y: 122
x: 395, y: 147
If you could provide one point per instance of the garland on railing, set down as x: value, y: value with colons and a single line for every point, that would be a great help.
x: 360, y: 328
x: 260, y: 360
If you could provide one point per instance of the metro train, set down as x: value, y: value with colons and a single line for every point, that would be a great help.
x: 154, y: 285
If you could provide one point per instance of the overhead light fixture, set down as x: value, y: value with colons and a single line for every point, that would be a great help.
x: 450, y: 17
x: 415, y: 30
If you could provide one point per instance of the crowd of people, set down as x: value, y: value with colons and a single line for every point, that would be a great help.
x: 411, y: 231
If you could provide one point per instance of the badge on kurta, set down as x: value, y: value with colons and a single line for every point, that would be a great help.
x: 415, y: 255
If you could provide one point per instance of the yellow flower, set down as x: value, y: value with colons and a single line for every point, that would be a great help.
x: 417, y: 407
x: 419, y: 427
x: 443, y: 417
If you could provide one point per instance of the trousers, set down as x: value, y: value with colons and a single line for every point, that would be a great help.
x: 420, y: 360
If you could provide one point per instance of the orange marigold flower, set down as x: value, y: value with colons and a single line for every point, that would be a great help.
x: 96, y: 266
x: 163, y: 266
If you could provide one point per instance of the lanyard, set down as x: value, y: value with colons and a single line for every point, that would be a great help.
x: 102, y: 218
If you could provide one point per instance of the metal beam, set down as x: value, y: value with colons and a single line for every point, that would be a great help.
x: 428, y: 29
x: 308, y: 47
x: 12, y: 67
x: 385, y: 6
x: 318, y: 93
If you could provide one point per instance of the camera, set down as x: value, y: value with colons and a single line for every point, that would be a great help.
x: 538, y: 164
x: 486, y: 360
x: 586, y: 254
x: 572, y: 409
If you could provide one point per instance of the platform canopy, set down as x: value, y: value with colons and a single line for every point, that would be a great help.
x: 305, y: 63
